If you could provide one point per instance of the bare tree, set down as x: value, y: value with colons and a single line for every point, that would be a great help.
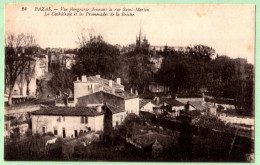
x: 29, y: 73
x: 15, y: 59
x: 20, y: 82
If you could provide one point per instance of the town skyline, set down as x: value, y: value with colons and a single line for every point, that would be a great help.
x: 229, y: 29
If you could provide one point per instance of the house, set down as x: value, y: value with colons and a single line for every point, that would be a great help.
x: 165, y: 106
x: 117, y: 113
x: 94, y: 84
x: 67, y: 60
x: 94, y: 91
x: 41, y: 67
x: 158, y: 88
x: 68, y: 121
x: 97, y: 90
x: 236, y: 119
x: 118, y: 105
x: 225, y: 106
x: 147, y: 105
x: 194, y: 103
x: 170, y: 106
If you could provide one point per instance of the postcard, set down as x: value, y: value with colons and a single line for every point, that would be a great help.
x: 129, y: 82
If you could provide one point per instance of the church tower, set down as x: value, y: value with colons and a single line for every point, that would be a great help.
x: 139, y: 39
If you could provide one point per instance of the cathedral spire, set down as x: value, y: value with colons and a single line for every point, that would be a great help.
x: 140, y: 33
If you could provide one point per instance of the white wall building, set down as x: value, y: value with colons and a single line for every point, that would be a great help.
x: 67, y: 121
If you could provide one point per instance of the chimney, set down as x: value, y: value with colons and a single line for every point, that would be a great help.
x: 118, y: 81
x: 84, y: 78
x: 98, y: 76
x: 77, y: 79
x: 131, y: 91
x: 110, y: 83
x: 99, y: 108
x: 136, y: 92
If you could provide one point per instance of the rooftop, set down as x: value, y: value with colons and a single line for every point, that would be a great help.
x: 104, y: 82
x: 169, y: 101
x: 123, y: 94
x: 143, y: 102
x: 115, y: 109
x: 68, y: 111
x: 197, y: 104
x: 150, y: 138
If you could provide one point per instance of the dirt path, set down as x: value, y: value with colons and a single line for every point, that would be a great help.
x: 46, y: 93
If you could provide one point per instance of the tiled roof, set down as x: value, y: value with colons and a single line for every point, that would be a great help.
x: 148, y: 139
x: 197, y: 104
x: 169, y: 101
x: 115, y: 109
x: 104, y: 82
x: 68, y: 111
x: 125, y: 95
x: 143, y: 102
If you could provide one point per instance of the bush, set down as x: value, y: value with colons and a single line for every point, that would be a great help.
x: 28, y: 133
x: 49, y: 134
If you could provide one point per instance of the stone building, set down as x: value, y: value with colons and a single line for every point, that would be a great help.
x: 68, y: 121
x: 99, y: 104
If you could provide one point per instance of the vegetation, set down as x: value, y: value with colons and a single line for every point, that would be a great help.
x: 191, y: 71
x: 16, y: 63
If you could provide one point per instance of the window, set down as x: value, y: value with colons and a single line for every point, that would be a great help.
x: 59, y: 119
x: 63, y: 133
x: 43, y: 130
x: 55, y: 131
x: 90, y: 86
x: 84, y: 120
x: 63, y: 118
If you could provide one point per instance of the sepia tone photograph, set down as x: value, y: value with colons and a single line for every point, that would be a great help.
x: 129, y: 82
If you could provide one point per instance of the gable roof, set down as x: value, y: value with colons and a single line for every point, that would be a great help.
x: 169, y: 101
x: 197, y: 104
x: 143, y: 102
x: 68, y: 111
x: 123, y: 95
x: 104, y: 82
x: 172, y: 102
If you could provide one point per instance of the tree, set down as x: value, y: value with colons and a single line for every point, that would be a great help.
x: 20, y: 82
x: 140, y: 72
x: 29, y: 72
x: 15, y: 60
x: 62, y: 81
x: 95, y: 56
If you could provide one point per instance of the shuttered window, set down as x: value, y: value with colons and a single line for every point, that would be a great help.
x: 84, y: 120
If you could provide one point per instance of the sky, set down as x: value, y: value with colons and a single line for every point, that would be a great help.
x: 229, y: 29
